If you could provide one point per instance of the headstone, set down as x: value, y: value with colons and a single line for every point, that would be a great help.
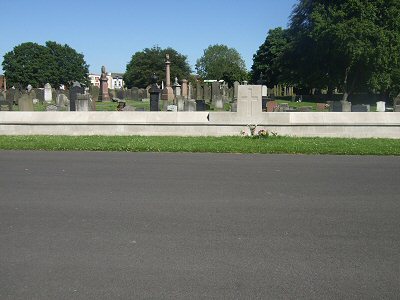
x: 340, y: 106
x: 218, y: 104
x: 215, y: 91
x: 4, y: 104
x: 396, y: 108
x: 180, y: 102
x: 190, y: 91
x: 264, y: 91
x: 271, y: 106
x: 199, y: 91
x: 249, y: 103
x: 135, y: 93
x: 176, y: 87
x: 25, y: 103
x: 234, y: 107
x: 82, y: 102
x: 10, y: 95
x: 39, y: 95
x: 360, y: 108
x: 190, y: 105
x: 62, y: 102
x: 207, y: 93
x: 380, y: 106
x: 48, y: 97
x: 283, y: 107
x: 73, y: 92
x: 154, y: 94
x: 200, y: 105
x: 167, y: 93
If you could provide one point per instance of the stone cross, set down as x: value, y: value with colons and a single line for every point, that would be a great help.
x: 249, y: 102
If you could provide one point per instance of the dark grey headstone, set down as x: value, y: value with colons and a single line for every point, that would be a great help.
x: 360, y: 108
x: 135, y: 93
x: 199, y: 91
x: 73, y: 94
x: 207, y: 92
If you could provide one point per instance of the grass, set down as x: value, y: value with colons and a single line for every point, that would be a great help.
x: 279, y: 144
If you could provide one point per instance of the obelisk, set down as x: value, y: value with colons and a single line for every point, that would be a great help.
x: 103, y: 94
x: 167, y: 92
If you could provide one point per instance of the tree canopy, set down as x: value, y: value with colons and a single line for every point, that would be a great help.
x: 31, y: 63
x: 352, y: 45
x: 221, y: 62
x: 145, y: 63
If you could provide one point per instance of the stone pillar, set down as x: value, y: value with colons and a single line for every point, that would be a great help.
x: 47, y: 93
x: 184, y: 88
x: 167, y: 92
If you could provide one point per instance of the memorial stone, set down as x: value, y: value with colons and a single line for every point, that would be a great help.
x: 360, y: 108
x: 83, y: 102
x: 190, y: 105
x: 62, y: 102
x: 249, y: 103
x: 4, y: 104
x: 199, y: 91
x: 73, y: 92
x: 340, y: 106
x: 272, y: 106
x: 25, y: 103
x: 380, y: 106
x: 184, y: 88
x: 235, y: 89
x: 215, y: 92
x: 51, y: 107
x: 207, y: 93
x: 48, y: 97
x: 200, y: 105
x: 103, y: 94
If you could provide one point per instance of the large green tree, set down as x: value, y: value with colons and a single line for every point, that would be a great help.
x: 70, y: 66
x: 145, y: 63
x: 30, y: 63
x: 221, y: 62
x: 344, y: 44
x: 268, y: 63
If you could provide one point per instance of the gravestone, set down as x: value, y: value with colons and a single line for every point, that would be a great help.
x: 207, y: 93
x: 103, y: 93
x: 73, y: 92
x: 271, y: 106
x: 190, y: 91
x: 218, y: 104
x: 360, y: 108
x: 39, y: 95
x: 142, y: 94
x: 283, y: 107
x: 62, y: 102
x: 249, y: 103
x: 135, y: 93
x: 340, y: 106
x: 83, y: 102
x: 396, y: 108
x: 10, y: 95
x: 48, y: 97
x: 234, y: 107
x: 25, y: 103
x: 180, y: 102
x: 199, y: 91
x: 176, y: 87
x: 215, y: 92
x: 120, y: 94
x: 190, y: 105
x: 200, y: 105
x: 4, y: 104
x: 380, y: 106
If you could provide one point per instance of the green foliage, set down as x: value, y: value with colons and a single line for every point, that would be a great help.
x: 349, y: 44
x: 152, y: 60
x: 220, y: 62
x: 267, y: 62
x: 30, y: 63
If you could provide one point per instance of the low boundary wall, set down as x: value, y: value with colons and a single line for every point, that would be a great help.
x: 323, y: 124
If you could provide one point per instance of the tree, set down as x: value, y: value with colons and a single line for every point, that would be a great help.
x: 220, y: 62
x: 69, y: 65
x: 152, y: 60
x: 268, y: 60
x: 345, y: 43
x: 30, y: 63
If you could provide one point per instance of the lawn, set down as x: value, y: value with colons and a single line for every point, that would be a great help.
x: 278, y: 144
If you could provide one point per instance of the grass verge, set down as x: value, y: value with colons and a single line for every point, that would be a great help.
x: 279, y: 144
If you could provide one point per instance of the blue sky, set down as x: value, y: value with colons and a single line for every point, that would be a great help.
x: 110, y: 32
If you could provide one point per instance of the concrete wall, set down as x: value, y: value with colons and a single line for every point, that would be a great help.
x: 324, y: 124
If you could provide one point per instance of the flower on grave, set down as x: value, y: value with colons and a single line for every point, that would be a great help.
x: 252, y: 128
x: 263, y: 133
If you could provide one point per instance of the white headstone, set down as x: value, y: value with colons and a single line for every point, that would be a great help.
x: 172, y: 108
x: 264, y: 91
x: 47, y: 93
x: 249, y: 104
x: 380, y: 106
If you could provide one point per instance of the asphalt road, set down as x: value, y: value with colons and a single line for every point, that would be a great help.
x: 86, y: 225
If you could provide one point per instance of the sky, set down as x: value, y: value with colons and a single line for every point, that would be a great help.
x: 109, y: 32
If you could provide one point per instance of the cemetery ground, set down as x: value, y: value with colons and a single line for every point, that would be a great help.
x: 114, y: 225
x: 227, y: 144
x: 145, y: 105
